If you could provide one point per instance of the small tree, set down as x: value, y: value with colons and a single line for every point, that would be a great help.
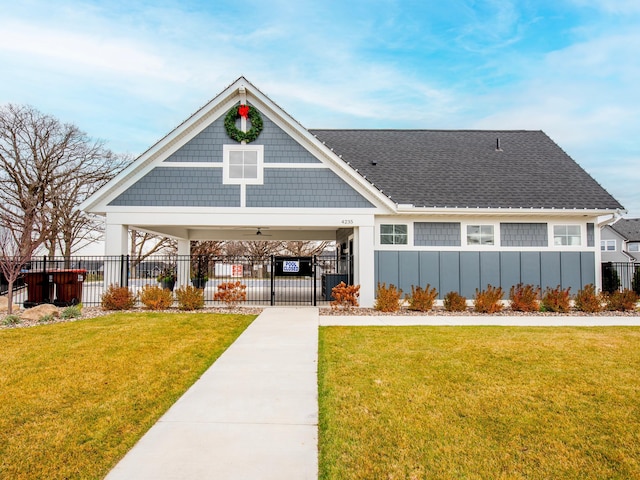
x: 610, y: 278
x: 14, y: 255
x: 635, y: 284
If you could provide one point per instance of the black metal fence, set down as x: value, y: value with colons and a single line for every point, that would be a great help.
x: 620, y: 276
x: 269, y: 280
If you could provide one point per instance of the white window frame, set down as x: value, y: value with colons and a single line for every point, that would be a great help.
x: 633, y: 246
x: 483, y: 232
x: 605, y: 244
x: 395, y: 234
x: 226, y: 167
x: 566, y: 235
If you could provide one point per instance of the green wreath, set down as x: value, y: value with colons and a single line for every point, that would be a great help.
x: 235, y: 133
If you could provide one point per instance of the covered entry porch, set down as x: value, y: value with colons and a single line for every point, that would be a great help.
x: 352, y: 258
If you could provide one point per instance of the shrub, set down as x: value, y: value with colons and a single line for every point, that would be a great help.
x: 524, y: 298
x: 118, y: 298
x: 190, y: 298
x: 488, y: 301
x: 387, y: 298
x: 422, y: 300
x: 73, y: 311
x: 155, y: 298
x: 454, y: 302
x: 231, y: 293
x: 11, y: 320
x: 588, y: 300
x: 556, y: 300
x: 622, y: 301
x: 345, y: 296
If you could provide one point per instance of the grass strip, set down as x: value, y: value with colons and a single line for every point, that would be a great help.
x: 75, y: 397
x: 479, y: 402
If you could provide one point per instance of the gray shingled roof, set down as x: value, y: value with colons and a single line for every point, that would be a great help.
x: 462, y: 168
x: 629, y: 228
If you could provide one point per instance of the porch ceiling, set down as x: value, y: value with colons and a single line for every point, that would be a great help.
x: 246, y: 233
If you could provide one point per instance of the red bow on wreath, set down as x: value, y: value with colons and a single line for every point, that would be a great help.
x: 243, y: 111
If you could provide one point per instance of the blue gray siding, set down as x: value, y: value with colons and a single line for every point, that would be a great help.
x: 463, y: 272
x: 441, y: 234
x: 304, y: 188
x: 173, y: 186
x: 523, y: 235
x: 202, y: 187
x: 207, y: 145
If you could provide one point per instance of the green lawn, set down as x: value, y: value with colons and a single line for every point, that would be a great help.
x: 74, y: 397
x: 479, y: 403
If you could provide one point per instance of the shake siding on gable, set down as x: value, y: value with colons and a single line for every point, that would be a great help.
x: 184, y: 187
x: 207, y: 145
x: 202, y: 187
x: 304, y: 188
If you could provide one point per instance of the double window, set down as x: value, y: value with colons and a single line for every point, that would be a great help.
x: 393, y: 234
x: 566, y: 235
x: 608, y: 245
x: 243, y: 164
x: 480, y: 235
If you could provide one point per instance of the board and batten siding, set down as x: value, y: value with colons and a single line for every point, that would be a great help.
x: 465, y: 271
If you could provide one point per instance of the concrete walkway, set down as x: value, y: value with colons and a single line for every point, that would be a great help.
x: 252, y: 415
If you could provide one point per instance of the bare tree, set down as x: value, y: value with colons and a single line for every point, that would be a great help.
x: 144, y: 244
x: 304, y: 248
x: 48, y: 169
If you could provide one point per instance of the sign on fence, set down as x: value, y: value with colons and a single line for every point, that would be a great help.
x: 233, y: 270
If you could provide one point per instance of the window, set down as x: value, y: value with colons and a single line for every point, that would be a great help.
x: 634, y: 247
x: 566, y: 235
x: 608, y: 245
x: 393, y: 234
x: 243, y: 164
x: 480, y: 235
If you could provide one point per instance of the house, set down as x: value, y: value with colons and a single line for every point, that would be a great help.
x: 620, y: 241
x: 454, y: 209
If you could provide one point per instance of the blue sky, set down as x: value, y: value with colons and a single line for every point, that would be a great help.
x: 128, y: 71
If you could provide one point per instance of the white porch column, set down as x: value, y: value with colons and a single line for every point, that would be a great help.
x: 184, y: 262
x: 364, y: 271
x: 116, y: 242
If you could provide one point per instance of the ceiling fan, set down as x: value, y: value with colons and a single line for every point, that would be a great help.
x: 258, y: 233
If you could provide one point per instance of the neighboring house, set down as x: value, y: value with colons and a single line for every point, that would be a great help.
x: 456, y: 209
x: 620, y: 241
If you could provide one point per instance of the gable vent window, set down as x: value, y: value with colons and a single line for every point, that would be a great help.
x: 243, y: 164
x: 393, y: 235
